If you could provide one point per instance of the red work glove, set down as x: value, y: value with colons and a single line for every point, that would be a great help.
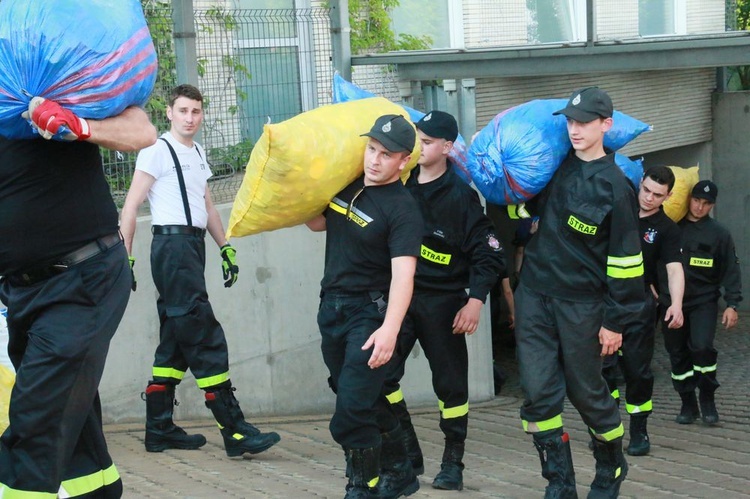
x: 49, y: 118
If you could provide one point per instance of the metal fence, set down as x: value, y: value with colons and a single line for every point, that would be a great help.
x: 254, y: 67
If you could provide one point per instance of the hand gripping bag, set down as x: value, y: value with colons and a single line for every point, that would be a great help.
x: 344, y: 91
x: 516, y: 154
x: 95, y: 58
x: 676, y: 207
x: 299, y: 165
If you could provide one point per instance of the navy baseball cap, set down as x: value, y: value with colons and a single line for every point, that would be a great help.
x: 439, y: 125
x: 394, y: 132
x: 705, y: 189
x: 588, y: 104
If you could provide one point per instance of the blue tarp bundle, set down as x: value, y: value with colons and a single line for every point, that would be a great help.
x: 95, y: 58
x: 516, y: 154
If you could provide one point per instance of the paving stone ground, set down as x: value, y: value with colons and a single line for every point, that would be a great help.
x: 691, y: 461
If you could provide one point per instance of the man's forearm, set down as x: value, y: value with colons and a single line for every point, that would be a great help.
x: 130, y: 130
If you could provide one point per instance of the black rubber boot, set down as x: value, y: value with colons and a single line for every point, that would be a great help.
x: 709, y: 414
x: 363, y: 466
x: 557, y: 464
x: 413, y: 450
x: 240, y: 437
x: 161, y: 432
x: 689, y: 410
x: 397, y: 478
x: 451, y: 475
x: 639, y: 444
x: 611, y: 469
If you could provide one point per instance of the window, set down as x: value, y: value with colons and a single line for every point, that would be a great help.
x: 556, y: 21
x: 661, y: 17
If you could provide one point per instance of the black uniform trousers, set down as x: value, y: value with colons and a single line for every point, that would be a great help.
x: 558, y: 350
x: 189, y: 334
x: 60, y: 329
x: 430, y: 320
x: 362, y: 412
x: 634, y: 358
x: 691, y: 349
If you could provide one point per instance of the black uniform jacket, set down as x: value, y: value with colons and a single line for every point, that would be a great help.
x: 587, y: 246
x: 459, y: 246
x: 710, y: 262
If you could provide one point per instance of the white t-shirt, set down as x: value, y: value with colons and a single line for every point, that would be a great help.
x: 164, y: 197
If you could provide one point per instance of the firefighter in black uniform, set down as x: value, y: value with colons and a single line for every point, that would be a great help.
x: 459, y: 251
x: 581, y: 282
x: 660, y: 242
x: 373, y: 232
x: 66, y: 284
x: 710, y: 263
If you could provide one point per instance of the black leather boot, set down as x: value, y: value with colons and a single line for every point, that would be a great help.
x: 240, y: 437
x: 397, y: 478
x: 689, y: 410
x: 611, y: 469
x: 557, y: 464
x: 451, y: 475
x: 639, y: 444
x: 709, y: 414
x: 363, y: 466
x: 161, y: 432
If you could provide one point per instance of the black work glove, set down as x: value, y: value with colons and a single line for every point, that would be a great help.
x: 131, y: 260
x: 229, y: 265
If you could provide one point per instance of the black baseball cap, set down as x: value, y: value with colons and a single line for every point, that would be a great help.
x: 588, y: 104
x: 705, y: 189
x: 439, y: 125
x: 394, y: 132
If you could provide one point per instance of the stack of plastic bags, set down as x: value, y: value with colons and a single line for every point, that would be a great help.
x: 298, y: 165
x: 95, y: 58
x: 516, y: 154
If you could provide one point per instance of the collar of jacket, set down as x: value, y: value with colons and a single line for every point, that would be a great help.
x: 591, y: 168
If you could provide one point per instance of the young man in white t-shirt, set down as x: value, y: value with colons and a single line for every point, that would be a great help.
x: 190, y: 336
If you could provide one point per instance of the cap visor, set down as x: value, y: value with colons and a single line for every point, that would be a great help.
x: 387, y: 142
x: 577, y: 114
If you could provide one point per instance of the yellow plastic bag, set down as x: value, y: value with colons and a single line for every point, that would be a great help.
x: 676, y: 207
x: 7, y: 379
x: 298, y: 165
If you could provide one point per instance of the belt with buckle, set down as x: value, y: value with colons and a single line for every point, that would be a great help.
x: 63, y: 263
x: 177, y: 230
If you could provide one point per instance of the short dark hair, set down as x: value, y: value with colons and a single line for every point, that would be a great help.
x: 185, y: 90
x: 661, y: 175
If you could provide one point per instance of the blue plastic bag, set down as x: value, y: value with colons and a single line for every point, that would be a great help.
x: 95, y: 58
x: 633, y: 169
x: 344, y: 91
x: 516, y: 154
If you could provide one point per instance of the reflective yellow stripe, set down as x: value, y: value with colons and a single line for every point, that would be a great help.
x: 704, y: 370
x: 434, y: 256
x: 637, y: 409
x: 625, y: 267
x: 615, y: 394
x: 212, y: 380
x: 516, y: 211
x: 618, y: 471
x: 682, y: 377
x: 611, y: 434
x: 337, y: 208
x: 581, y: 227
x: 549, y: 424
x: 701, y: 262
x: 395, y: 397
x: 454, y: 412
x: 372, y: 483
x: 8, y: 493
x: 89, y: 483
x: 167, y: 372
